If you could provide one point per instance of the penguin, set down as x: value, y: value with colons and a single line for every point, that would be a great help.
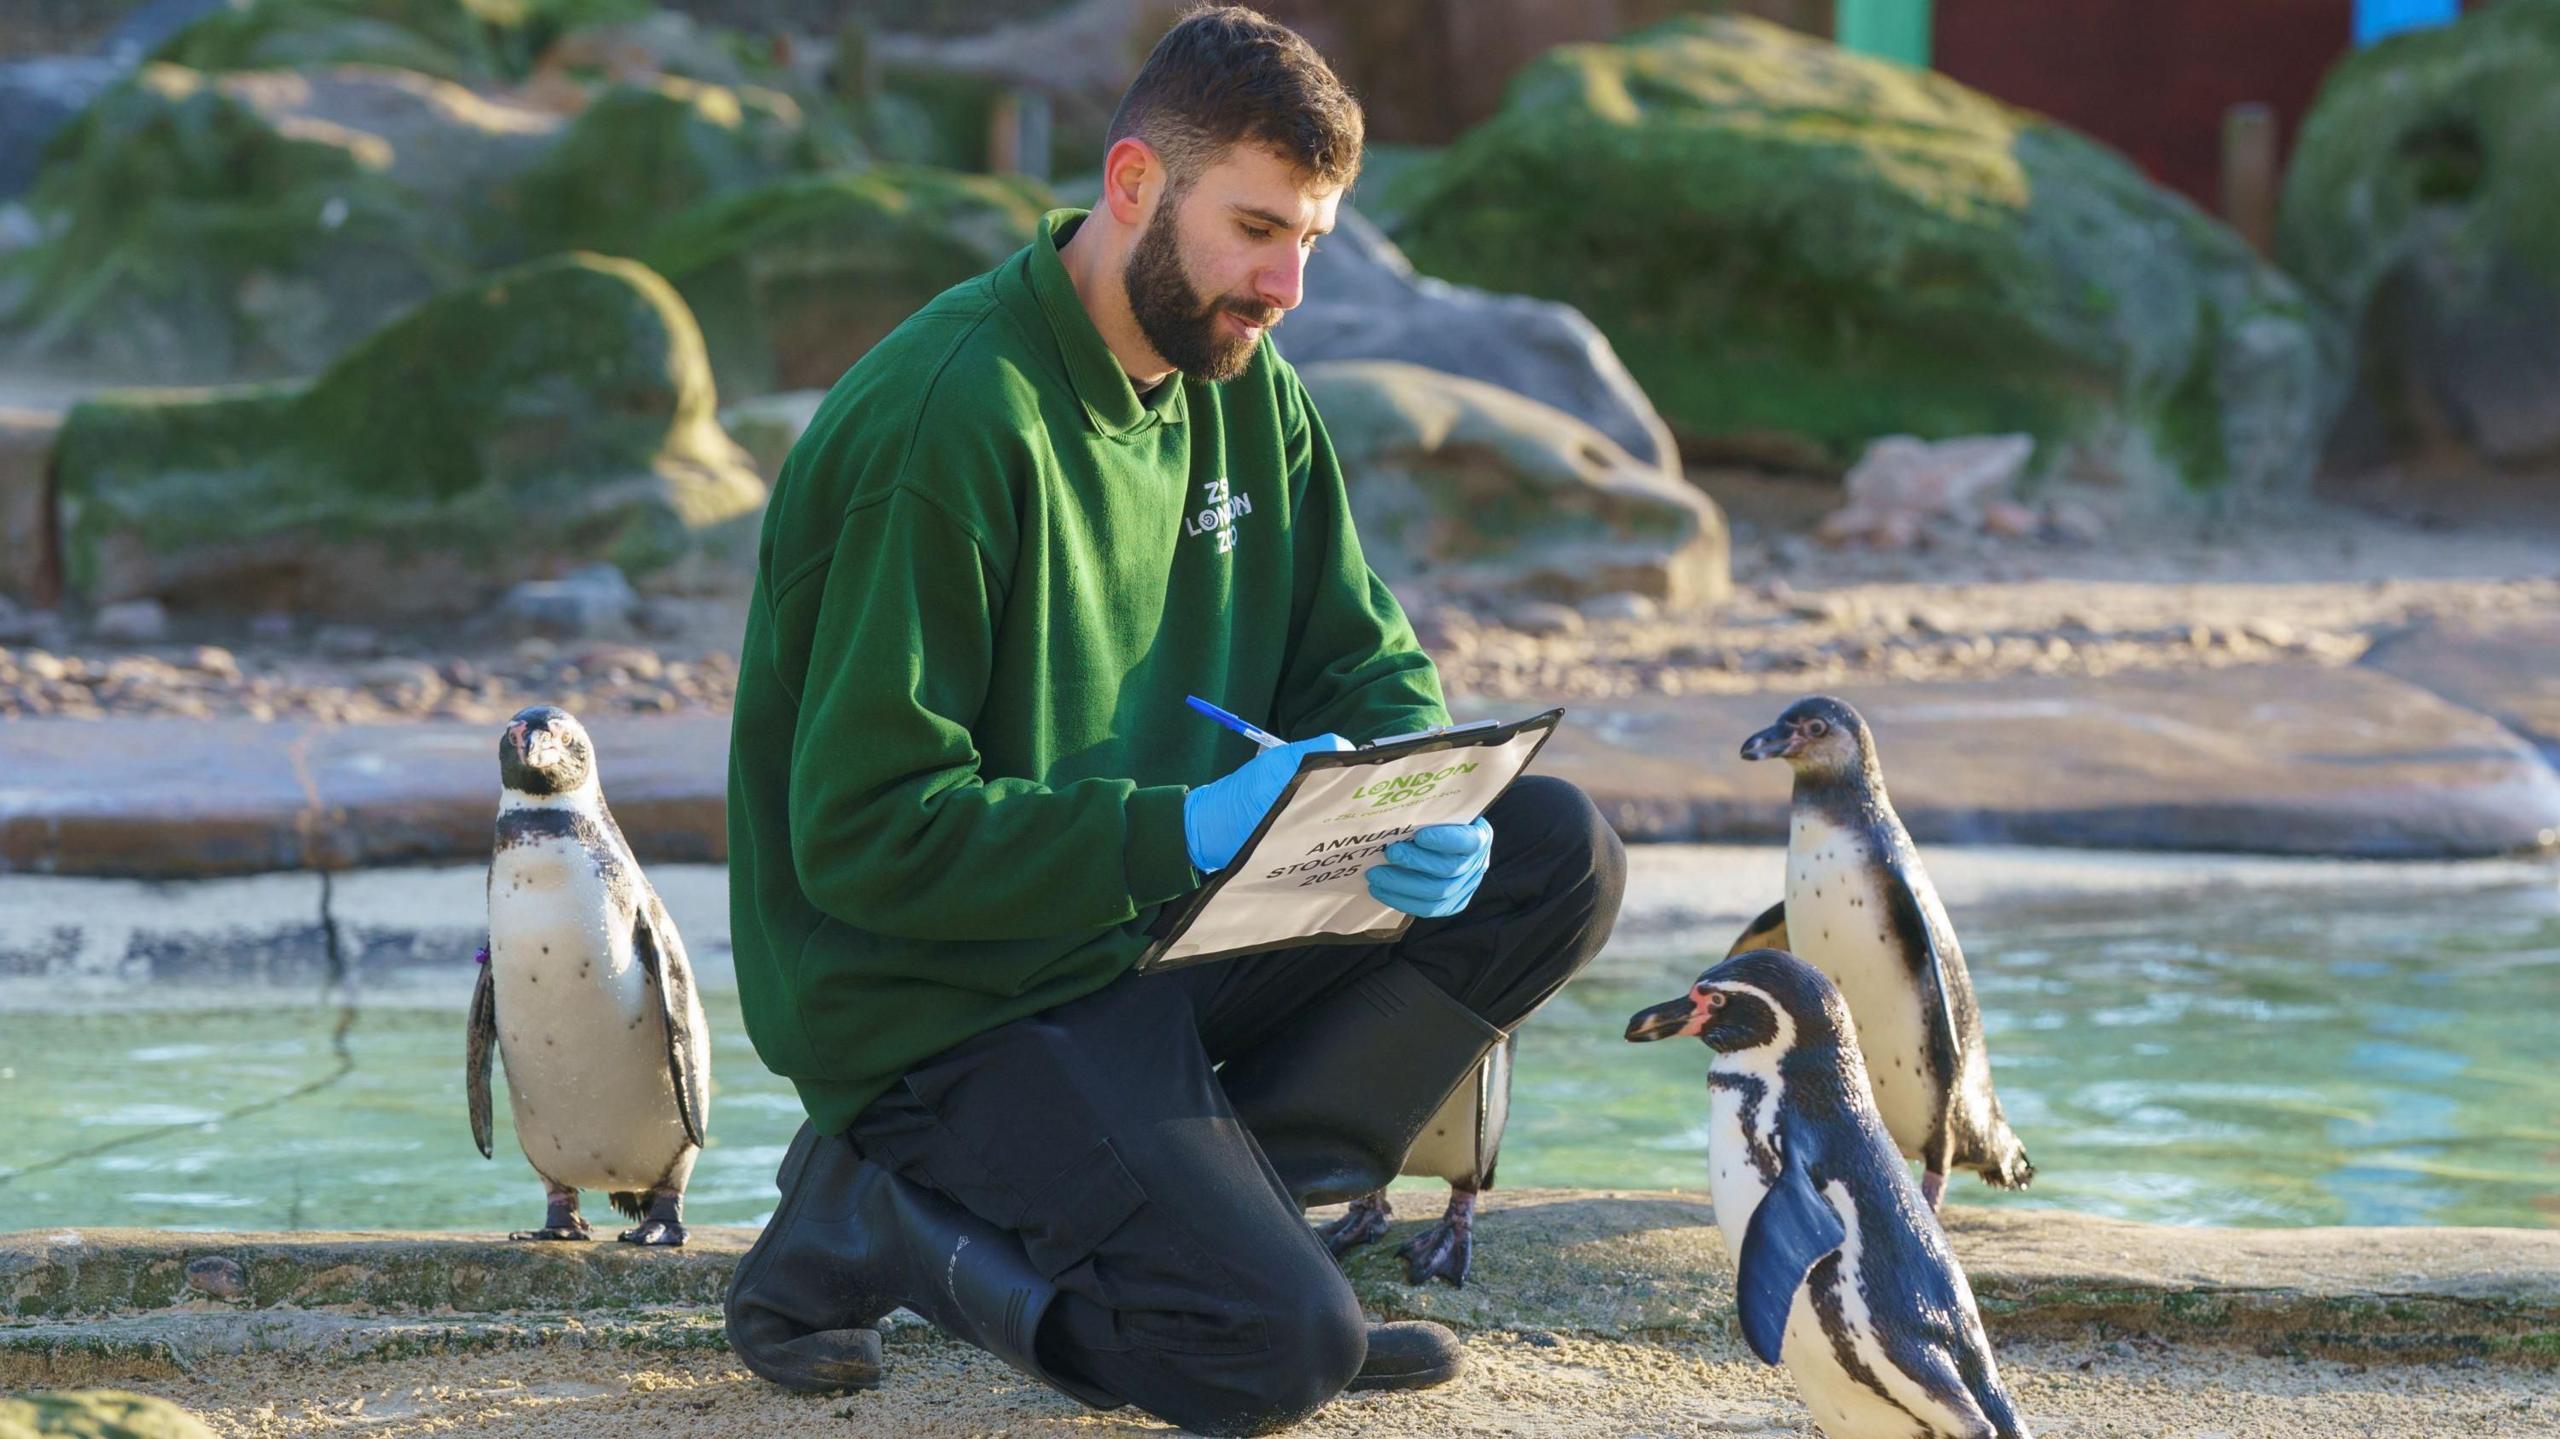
x: 1841, y: 1270
x: 1860, y: 908
x: 1460, y: 1144
x: 585, y: 990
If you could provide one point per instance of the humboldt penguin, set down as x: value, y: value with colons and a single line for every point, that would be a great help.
x: 1460, y: 1145
x: 1841, y: 1270
x: 1860, y: 908
x: 587, y: 993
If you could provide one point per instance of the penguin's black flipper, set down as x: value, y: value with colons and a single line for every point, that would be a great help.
x: 660, y: 950
x: 483, y: 1046
x: 1794, y: 1229
x: 1769, y: 931
x: 1924, y: 930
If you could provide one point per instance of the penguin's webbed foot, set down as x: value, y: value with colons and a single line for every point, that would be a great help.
x: 1933, y: 1189
x: 661, y: 1233
x: 1364, y: 1221
x: 1447, y: 1249
x: 560, y: 1218
x: 578, y: 1233
x: 661, y: 1223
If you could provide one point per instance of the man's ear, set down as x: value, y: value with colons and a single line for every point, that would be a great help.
x: 1131, y: 175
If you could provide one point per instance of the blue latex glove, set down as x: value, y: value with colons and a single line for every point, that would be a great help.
x: 1218, y: 817
x: 1436, y: 872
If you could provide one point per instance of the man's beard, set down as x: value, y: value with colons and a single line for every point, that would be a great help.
x: 1183, y: 327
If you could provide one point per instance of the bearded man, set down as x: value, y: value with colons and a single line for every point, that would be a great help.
x: 964, y: 785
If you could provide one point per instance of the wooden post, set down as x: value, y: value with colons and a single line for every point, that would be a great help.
x: 1018, y: 134
x: 2250, y: 182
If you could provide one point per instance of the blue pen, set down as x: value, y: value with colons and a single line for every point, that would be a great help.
x: 1240, y: 726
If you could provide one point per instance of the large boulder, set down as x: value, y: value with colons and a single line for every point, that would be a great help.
x: 95, y: 1414
x: 2424, y: 202
x: 1797, y: 249
x: 556, y: 414
x: 1466, y: 489
x: 642, y: 153
x: 1364, y: 302
x: 793, y: 280
x: 197, y: 226
x: 450, y: 39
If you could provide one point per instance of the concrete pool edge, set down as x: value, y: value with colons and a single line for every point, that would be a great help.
x: 85, y: 1306
x: 2294, y: 759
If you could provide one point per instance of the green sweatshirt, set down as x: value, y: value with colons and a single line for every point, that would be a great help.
x: 988, y: 576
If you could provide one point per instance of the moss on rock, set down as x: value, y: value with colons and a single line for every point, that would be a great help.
x: 451, y: 39
x: 556, y: 413
x: 642, y: 153
x: 2422, y: 202
x: 1798, y: 248
x: 96, y: 1414
x: 213, y: 225
x: 794, y: 279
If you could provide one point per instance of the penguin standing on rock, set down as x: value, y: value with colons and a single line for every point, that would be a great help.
x: 586, y: 991
x: 1842, y: 1272
x: 1860, y: 908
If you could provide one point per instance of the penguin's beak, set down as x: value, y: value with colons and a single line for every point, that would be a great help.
x: 542, y: 749
x: 1665, y: 1021
x: 1775, y: 742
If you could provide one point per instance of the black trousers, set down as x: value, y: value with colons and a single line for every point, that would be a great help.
x: 1189, y: 1283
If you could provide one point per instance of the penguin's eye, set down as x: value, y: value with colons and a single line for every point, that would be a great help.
x: 1816, y: 729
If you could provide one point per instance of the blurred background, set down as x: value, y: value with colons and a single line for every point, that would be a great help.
x: 2148, y: 411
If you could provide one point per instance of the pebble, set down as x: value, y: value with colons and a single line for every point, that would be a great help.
x: 347, y: 642
x: 1542, y: 618
x: 131, y: 622
x: 214, y: 660
x: 1624, y: 605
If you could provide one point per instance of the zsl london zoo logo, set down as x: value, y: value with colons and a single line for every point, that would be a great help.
x: 1406, y: 788
x: 1219, y: 517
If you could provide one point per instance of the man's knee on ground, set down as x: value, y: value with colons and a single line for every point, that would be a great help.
x: 1317, y: 1342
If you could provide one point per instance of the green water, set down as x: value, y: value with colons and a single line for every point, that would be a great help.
x: 2292, y: 1058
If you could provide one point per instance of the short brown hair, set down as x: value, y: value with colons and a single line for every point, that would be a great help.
x: 1223, y: 74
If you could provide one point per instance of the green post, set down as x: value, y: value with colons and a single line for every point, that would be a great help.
x: 1888, y: 29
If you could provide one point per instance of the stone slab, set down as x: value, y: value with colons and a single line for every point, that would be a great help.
x: 2507, y: 668
x: 1606, y: 1264
x: 171, y: 799
x: 2290, y: 759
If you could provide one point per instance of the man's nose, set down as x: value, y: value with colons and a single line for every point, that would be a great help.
x: 1282, y: 285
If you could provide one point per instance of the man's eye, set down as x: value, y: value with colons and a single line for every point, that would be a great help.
x: 1257, y: 232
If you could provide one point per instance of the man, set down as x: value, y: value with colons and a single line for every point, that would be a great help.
x: 963, y: 784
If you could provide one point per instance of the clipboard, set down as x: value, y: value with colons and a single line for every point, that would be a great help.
x: 1296, y: 879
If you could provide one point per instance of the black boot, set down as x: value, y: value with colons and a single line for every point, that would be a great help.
x: 1338, y: 1094
x: 852, y: 1241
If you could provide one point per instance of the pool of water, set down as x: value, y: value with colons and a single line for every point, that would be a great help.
x: 2379, y: 1053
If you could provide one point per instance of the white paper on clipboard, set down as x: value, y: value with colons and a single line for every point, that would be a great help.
x: 1298, y: 879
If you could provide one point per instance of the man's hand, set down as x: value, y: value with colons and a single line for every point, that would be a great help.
x: 1436, y: 872
x: 1218, y: 817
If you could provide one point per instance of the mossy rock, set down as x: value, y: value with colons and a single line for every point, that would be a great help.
x: 642, y: 153
x: 202, y: 226
x: 1465, y: 488
x: 96, y: 1414
x: 2424, y: 202
x: 450, y: 39
x: 794, y: 279
x: 1797, y: 249
x: 556, y: 414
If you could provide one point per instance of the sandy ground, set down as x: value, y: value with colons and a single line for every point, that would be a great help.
x: 1535, y: 1386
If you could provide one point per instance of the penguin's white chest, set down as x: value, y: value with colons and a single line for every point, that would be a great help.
x: 579, y: 1024
x: 1845, y: 1404
x: 1742, y: 1112
x: 1839, y: 922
